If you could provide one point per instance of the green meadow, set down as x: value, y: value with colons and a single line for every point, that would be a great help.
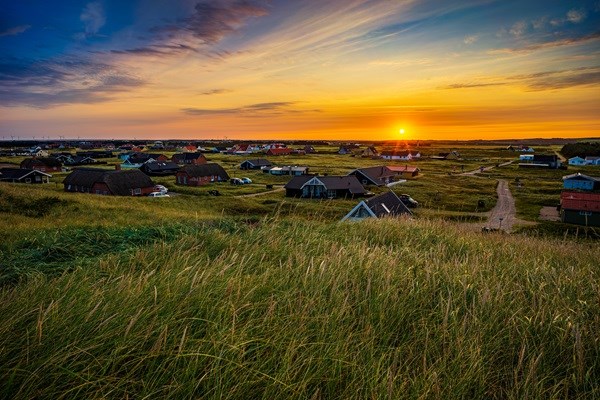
x: 266, y: 297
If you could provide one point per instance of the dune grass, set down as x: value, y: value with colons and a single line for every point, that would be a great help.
x: 302, y: 308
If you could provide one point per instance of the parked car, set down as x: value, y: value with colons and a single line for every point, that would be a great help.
x: 408, y: 201
x: 158, y: 194
x: 160, y: 188
x: 236, y: 181
x: 246, y: 180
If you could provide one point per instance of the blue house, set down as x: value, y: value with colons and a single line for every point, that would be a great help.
x: 579, y: 181
x: 577, y: 161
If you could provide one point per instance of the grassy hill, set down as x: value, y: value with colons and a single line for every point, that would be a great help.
x: 288, y: 307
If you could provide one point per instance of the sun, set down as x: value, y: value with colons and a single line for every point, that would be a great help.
x: 401, y: 131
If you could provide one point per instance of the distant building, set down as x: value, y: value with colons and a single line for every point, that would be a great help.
x: 580, y: 181
x: 20, y: 175
x: 195, y: 158
x: 282, y: 151
x: 542, y: 161
x: 44, y: 164
x: 287, y: 170
x: 107, y: 182
x: 382, y: 175
x: 577, y: 161
x: 257, y: 163
x: 580, y: 208
x: 323, y: 187
x: 198, y: 175
x: 384, y: 205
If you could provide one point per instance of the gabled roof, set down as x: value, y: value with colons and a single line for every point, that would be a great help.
x: 210, y: 169
x: 279, y: 150
x: 384, y: 205
x: 259, y: 162
x: 18, y: 173
x: 349, y: 183
x: 374, y: 174
x: 397, y: 153
x: 581, y: 177
x: 120, y: 183
x: 188, y: 156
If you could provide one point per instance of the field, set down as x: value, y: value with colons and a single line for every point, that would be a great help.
x: 197, y: 296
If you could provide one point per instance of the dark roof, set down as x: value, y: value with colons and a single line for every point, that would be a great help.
x: 17, y: 173
x: 120, y: 183
x: 387, y: 204
x: 545, y: 158
x: 209, y: 169
x: 47, y: 161
x: 349, y: 183
x: 159, y: 166
x: 375, y: 174
x: 259, y: 162
x: 187, y: 156
x: 396, y: 153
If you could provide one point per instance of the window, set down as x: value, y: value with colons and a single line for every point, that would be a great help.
x: 137, y: 191
x: 585, y: 213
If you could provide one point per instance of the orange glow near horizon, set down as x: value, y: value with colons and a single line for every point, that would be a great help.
x: 337, y: 70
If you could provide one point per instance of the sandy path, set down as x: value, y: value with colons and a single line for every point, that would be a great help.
x: 504, y: 214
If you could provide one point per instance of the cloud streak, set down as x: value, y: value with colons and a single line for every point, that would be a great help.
x: 14, y: 31
x: 93, y: 18
x: 280, y: 107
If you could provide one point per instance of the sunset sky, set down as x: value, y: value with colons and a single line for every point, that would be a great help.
x: 299, y: 69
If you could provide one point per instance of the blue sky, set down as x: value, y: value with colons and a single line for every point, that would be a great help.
x: 299, y: 68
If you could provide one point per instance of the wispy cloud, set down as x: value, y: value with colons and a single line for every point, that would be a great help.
x: 576, y: 16
x: 53, y: 83
x: 93, y: 18
x: 280, y: 107
x: 572, y: 41
x: 213, y: 20
x: 16, y: 30
x: 215, y: 91
x: 546, y: 80
x: 470, y: 39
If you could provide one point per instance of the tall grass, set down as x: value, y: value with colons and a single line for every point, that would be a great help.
x: 293, y: 308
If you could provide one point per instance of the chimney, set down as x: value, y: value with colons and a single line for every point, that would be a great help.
x: 117, y: 167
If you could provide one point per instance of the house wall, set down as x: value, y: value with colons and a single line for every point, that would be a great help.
x: 101, y: 188
x: 185, y: 179
x: 578, y: 184
x: 586, y: 218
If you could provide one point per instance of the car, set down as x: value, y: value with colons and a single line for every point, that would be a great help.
x: 246, y: 180
x: 158, y: 194
x: 236, y: 181
x: 160, y: 188
x: 408, y: 201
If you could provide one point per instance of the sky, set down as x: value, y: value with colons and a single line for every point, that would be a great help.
x: 299, y: 69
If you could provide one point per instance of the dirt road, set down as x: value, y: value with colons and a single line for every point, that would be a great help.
x: 503, y: 215
x: 478, y: 170
x: 280, y: 189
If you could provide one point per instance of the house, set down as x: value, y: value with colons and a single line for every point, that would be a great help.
x: 379, y: 176
x: 542, y: 161
x: 95, y: 154
x: 288, y: 170
x: 577, y: 161
x: 281, y: 151
x: 258, y: 163
x: 384, y: 205
x: 592, y: 160
x: 37, y: 152
x: 197, y: 175
x: 322, y: 187
x: 406, y: 155
x: 453, y: 155
x: 405, y: 171
x: 581, y: 208
x: 107, y: 182
x: 308, y: 149
x: 44, y: 164
x: 580, y: 181
x: 81, y: 160
x: 190, y: 148
x: 159, y: 168
x: 195, y: 158
x: 20, y: 175
x: 344, y: 150
x: 370, y: 151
